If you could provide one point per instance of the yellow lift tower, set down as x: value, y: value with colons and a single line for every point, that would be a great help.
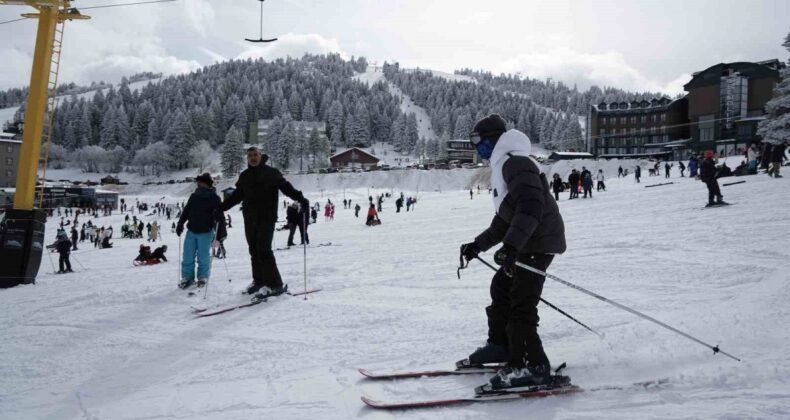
x: 22, y: 231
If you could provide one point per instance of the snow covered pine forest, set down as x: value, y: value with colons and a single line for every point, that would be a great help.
x: 115, y: 341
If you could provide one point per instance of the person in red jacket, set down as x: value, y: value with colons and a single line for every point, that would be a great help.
x: 373, y: 216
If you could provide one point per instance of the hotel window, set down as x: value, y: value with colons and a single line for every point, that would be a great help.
x: 633, y: 119
x: 622, y: 120
x: 663, y: 117
x: 9, y: 161
x: 10, y: 149
x: 9, y: 174
x: 643, y: 119
x: 663, y: 129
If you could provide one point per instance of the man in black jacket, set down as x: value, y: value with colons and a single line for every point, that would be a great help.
x: 529, y: 226
x: 258, y: 190
x: 777, y: 156
x: 707, y: 173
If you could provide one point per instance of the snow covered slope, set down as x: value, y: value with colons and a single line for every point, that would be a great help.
x: 6, y: 114
x: 118, y: 342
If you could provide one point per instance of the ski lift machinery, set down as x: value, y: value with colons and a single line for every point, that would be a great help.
x: 22, y: 229
x: 260, y: 35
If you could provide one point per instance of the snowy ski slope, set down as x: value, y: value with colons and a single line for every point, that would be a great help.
x: 115, y: 341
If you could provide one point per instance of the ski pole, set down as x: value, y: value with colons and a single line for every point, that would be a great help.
x: 78, y: 262
x: 625, y: 308
x: 550, y: 304
x: 49, y: 254
x: 304, y: 248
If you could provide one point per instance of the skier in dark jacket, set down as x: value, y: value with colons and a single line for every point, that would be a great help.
x: 258, y: 190
x: 303, y: 221
x: 587, y: 182
x: 204, y: 219
x: 529, y: 226
x: 707, y: 173
x: 556, y: 186
x: 637, y: 173
x: 292, y: 218
x: 74, y: 237
x: 573, y: 183
x: 357, y: 208
x: 777, y: 156
x: 63, y: 246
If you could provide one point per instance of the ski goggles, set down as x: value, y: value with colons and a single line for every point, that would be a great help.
x: 475, y: 138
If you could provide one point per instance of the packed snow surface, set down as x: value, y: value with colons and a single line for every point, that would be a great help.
x: 115, y: 341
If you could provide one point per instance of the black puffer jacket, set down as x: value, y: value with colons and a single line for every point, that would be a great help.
x: 707, y: 170
x: 528, y: 218
x: 258, y: 190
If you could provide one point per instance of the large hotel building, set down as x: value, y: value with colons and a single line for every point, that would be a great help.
x: 720, y: 112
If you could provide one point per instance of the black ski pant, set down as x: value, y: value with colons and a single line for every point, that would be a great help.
x: 303, y: 233
x: 513, y: 313
x: 601, y: 186
x: 292, y: 230
x: 64, y: 261
x: 556, y: 196
x: 713, y: 190
x: 588, y: 190
x: 259, y: 235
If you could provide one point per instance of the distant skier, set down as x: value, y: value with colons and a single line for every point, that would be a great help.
x: 314, y: 214
x: 292, y: 217
x: 693, y: 166
x: 707, y: 173
x: 63, y: 246
x: 587, y: 182
x: 529, y: 226
x: 573, y: 182
x: 637, y: 173
x: 682, y: 169
x: 556, y: 186
x: 471, y: 194
x: 777, y: 156
x: 398, y: 204
x: 74, y: 237
x: 258, y: 189
x: 303, y: 222
x: 600, y: 178
x: 620, y: 172
x: 667, y: 167
x: 357, y: 208
x: 202, y: 215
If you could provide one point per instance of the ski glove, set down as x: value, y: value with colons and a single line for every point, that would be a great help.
x: 179, y: 229
x: 470, y: 251
x: 506, y: 257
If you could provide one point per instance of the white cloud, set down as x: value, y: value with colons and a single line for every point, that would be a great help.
x: 586, y: 69
x: 292, y: 45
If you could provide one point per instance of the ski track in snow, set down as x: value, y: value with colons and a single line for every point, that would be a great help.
x: 115, y: 341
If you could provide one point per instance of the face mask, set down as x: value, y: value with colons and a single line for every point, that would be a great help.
x: 485, y: 148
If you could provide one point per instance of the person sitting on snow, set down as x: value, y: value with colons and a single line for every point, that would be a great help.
x: 373, y: 216
x: 145, y: 253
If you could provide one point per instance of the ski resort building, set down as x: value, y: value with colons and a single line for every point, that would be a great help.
x: 720, y: 112
x: 461, y: 150
x: 353, y: 158
x: 9, y: 159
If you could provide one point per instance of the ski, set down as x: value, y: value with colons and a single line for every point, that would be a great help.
x: 300, y: 246
x: 429, y: 373
x: 202, y: 313
x: 504, y: 395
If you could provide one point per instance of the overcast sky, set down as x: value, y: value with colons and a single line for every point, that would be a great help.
x: 632, y: 44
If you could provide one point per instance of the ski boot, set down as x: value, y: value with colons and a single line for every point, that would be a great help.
x: 185, y: 283
x: 201, y: 282
x: 490, y: 353
x: 265, y: 292
x: 252, y: 288
x: 509, y: 378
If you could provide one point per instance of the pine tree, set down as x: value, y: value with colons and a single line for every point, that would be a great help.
x: 181, y: 140
x: 282, y: 154
x: 776, y: 127
x: 335, y: 123
x: 109, y: 128
x: 412, y: 134
x: 232, y: 154
x: 308, y: 112
x: 314, y: 145
x: 360, y: 130
x: 463, y: 126
x: 301, y: 145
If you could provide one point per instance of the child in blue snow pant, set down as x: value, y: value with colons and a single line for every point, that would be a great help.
x: 197, y: 245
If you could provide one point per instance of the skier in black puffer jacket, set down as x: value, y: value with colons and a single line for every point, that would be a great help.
x: 529, y: 226
x: 258, y: 190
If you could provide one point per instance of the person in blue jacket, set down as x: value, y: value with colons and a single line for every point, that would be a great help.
x: 693, y: 166
x: 203, y: 216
